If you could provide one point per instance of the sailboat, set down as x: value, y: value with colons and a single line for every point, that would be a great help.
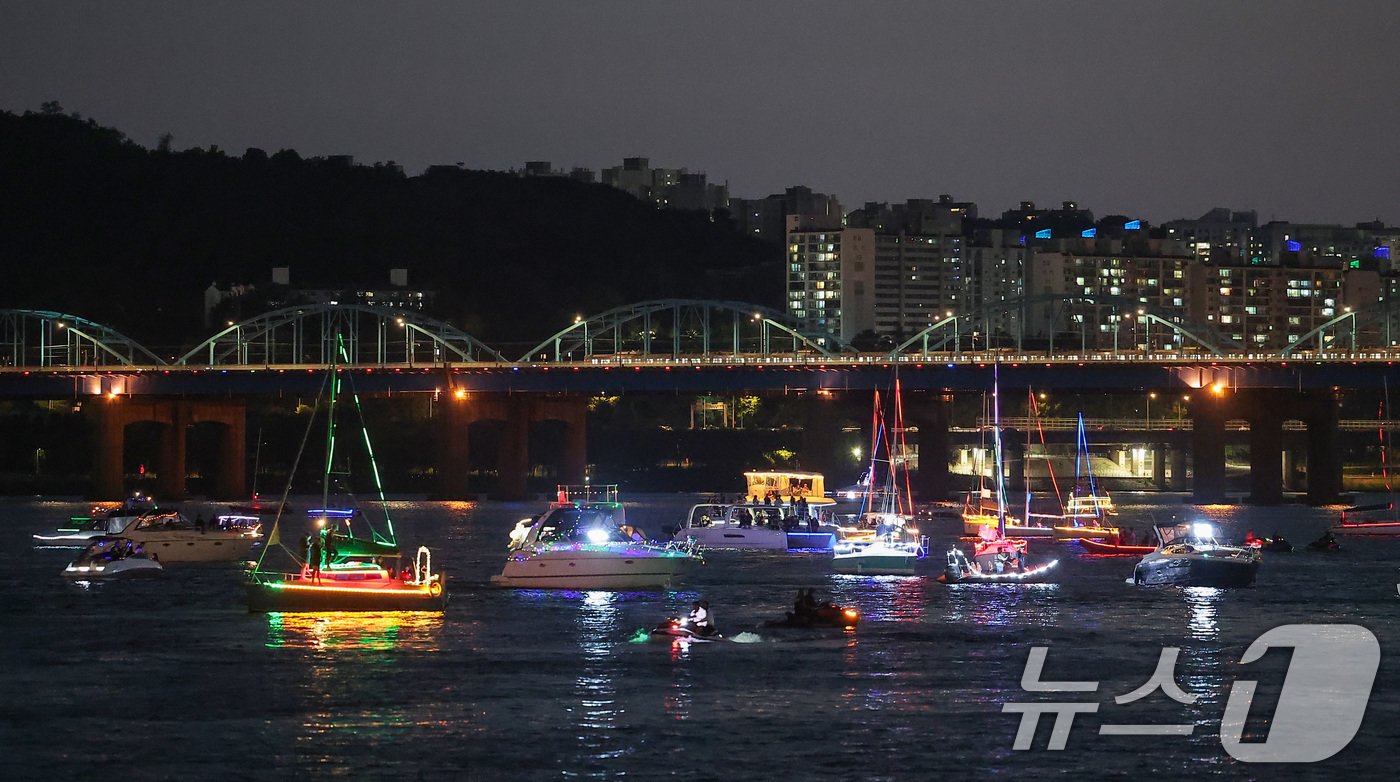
x: 996, y: 558
x: 990, y: 512
x: 1086, y: 508
x: 894, y: 545
x: 344, y: 563
x: 1380, y: 518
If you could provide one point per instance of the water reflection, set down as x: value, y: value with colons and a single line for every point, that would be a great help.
x: 378, y: 631
x: 1203, y: 603
x: 596, y: 714
x: 1003, y: 605
x: 884, y: 598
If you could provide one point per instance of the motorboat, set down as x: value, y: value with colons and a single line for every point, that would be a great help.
x: 734, y: 527
x: 110, y: 559
x: 175, y: 538
x: 1379, y: 519
x: 346, y: 562
x: 580, y: 544
x: 1188, y: 554
x: 997, y: 560
x: 102, y: 521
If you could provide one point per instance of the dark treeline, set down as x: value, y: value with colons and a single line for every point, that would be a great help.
x: 96, y: 225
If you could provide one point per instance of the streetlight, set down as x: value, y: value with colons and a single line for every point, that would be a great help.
x: 1151, y: 395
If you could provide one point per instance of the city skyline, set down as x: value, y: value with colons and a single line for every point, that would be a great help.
x: 1161, y: 113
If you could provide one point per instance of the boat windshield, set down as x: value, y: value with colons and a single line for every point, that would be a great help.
x: 586, y: 524
x: 1196, y: 534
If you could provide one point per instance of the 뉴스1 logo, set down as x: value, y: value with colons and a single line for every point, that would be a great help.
x: 1319, y: 709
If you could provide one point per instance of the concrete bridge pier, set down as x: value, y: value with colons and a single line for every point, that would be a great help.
x: 1324, y: 468
x: 1266, y: 454
x: 932, y: 415
x: 175, y: 416
x: 1178, y: 460
x: 1159, y: 466
x: 1208, y: 448
x: 516, y: 413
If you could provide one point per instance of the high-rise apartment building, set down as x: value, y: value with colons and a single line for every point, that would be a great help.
x: 830, y: 276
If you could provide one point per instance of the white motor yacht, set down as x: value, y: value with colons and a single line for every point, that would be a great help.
x: 100, y: 522
x: 110, y: 558
x: 583, y: 545
x: 734, y: 526
x: 175, y: 538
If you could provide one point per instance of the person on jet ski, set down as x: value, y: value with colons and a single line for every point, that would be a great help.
x: 700, y: 620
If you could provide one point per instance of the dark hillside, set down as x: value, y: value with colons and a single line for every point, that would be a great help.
x: 96, y: 225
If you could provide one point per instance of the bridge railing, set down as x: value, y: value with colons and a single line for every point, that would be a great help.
x: 1165, y: 424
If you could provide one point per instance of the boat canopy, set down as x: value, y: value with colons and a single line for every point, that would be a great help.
x: 810, y: 486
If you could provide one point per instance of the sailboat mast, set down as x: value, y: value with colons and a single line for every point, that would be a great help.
x: 330, y: 423
x: 996, y: 442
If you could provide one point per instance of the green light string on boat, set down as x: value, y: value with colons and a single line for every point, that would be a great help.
x: 373, y: 464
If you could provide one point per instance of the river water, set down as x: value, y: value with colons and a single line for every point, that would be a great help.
x: 173, y: 679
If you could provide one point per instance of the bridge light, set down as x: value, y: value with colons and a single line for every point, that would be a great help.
x: 460, y: 393
x: 62, y: 325
x: 1218, y: 389
x: 578, y: 318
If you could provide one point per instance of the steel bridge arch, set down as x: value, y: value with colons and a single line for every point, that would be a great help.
x: 307, y: 335
x: 951, y: 328
x: 633, y: 329
x: 1376, y: 326
x: 41, y: 338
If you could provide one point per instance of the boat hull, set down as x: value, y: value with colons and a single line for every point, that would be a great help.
x: 592, y: 570
x: 876, y: 565
x: 196, y: 547
x: 821, y: 541
x: 116, y: 570
x: 1114, y: 550
x: 1035, y: 575
x: 1072, y: 532
x: 1195, y: 571
x: 297, y: 596
x: 1380, y: 528
x: 751, y: 538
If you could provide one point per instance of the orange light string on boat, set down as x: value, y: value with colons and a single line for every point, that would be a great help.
x: 1040, y: 427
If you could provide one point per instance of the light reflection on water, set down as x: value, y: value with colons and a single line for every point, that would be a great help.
x: 377, y: 631
x: 597, y: 713
x: 536, y: 685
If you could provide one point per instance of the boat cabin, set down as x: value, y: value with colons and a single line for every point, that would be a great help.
x: 735, y: 516
x: 596, y: 523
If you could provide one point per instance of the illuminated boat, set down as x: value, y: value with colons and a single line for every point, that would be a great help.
x: 734, y: 526
x: 894, y: 546
x: 999, y: 553
x: 1188, y: 554
x: 749, y: 527
x: 1087, y: 508
x: 783, y: 487
x: 344, y: 562
x: 110, y: 559
x: 583, y: 543
x: 1377, y: 519
x: 175, y: 538
x: 100, y: 522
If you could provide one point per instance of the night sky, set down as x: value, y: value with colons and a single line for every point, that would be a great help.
x: 1158, y: 110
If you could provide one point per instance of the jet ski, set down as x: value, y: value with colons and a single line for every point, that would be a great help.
x: 677, y: 629
x: 1325, y: 543
x: 827, y: 614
